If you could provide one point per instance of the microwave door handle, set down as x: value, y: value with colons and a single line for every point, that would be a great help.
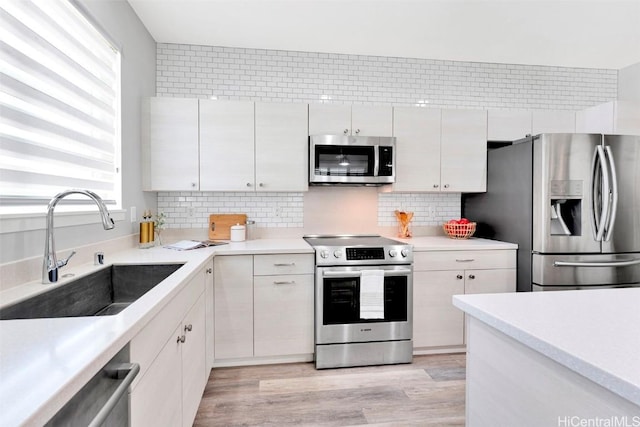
x: 376, y: 160
x: 613, y: 199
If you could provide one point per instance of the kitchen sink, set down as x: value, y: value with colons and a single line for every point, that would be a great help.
x: 103, y: 293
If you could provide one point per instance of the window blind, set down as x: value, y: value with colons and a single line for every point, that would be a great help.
x: 60, y: 105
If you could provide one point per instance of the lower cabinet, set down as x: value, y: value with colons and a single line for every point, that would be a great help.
x: 172, y: 353
x: 263, y: 307
x: 438, y: 276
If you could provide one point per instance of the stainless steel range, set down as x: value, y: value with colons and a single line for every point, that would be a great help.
x: 363, y: 300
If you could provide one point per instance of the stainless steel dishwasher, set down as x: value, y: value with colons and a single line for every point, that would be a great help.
x: 104, y: 400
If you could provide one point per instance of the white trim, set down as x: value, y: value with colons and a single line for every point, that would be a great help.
x: 16, y: 223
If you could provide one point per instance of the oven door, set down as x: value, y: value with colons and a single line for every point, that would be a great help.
x: 338, y: 305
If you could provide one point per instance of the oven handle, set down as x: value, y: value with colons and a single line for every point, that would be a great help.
x: 338, y: 273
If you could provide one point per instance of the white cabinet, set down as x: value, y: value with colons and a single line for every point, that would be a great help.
x: 440, y: 150
x: 281, y: 147
x: 226, y: 145
x: 417, y: 132
x: 615, y: 117
x: 170, y: 144
x: 210, y: 145
x: 263, y: 307
x: 463, y: 151
x: 361, y: 120
x: 548, y: 121
x: 439, y: 275
x: 283, y: 305
x: 172, y: 356
x: 233, y: 306
x: 508, y: 125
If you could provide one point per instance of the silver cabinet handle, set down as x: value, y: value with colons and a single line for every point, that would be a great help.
x: 188, y: 328
x: 357, y: 131
x: 284, y: 282
x: 435, y: 186
x: 209, y: 270
x: 346, y: 131
x: 194, y: 185
x: 459, y: 277
x: 284, y: 264
x: 181, y: 339
x: 597, y: 263
x: 446, y: 186
x: 471, y: 276
x: 248, y: 184
x: 261, y: 185
x: 116, y: 371
x: 465, y: 260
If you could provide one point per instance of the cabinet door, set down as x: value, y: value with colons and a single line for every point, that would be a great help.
x: 596, y: 119
x: 463, y: 159
x: 329, y: 119
x: 553, y: 122
x: 157, y: 398
x: 436, y: 322
x: 227, y: 145
x: 233, y: 306
x: 208, y: 304
x: 283, y: 323
x: 626, y: 118
x: 508, y: 125
x: 369, y: 120
x: 194, y: 369
x: 490, y: 281
x: 417, y: 132
x: 170, y: 141
x: 282, y: 147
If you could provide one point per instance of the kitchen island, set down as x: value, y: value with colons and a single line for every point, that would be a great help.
x: 553, y: 358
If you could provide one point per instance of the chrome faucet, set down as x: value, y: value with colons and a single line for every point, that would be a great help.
x: 51, y: 263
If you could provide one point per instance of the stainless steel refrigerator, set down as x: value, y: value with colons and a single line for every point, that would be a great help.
x: 572, y: 204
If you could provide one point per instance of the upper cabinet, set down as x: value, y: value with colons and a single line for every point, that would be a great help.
x: 355, y: 120
x: 417, y: 132
x: 281, y: 147
x: 508, y: 125
x: 549, y: 121
x: 440, y: 150
x: 211, y: 145
x: 615, y: 117
x: 170, y: 144
x: 227, y: 145
x: 463, y: 151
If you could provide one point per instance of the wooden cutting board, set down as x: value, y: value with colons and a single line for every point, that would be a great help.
x: 220, y: 225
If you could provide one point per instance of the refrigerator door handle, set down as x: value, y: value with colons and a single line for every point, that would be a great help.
x: 626, y: 263
x: 600, y: 169
x: 613, y: 199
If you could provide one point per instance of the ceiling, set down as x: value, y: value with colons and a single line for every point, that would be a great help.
x: 573, y: 33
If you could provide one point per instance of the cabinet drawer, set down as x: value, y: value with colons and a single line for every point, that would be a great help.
x: 463, y: 260
x: 267, y: 265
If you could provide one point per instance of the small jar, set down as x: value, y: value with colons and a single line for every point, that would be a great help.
x: 238, y: 233
x: 251, y: 229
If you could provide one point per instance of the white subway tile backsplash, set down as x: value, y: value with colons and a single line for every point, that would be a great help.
x: 288, y: 76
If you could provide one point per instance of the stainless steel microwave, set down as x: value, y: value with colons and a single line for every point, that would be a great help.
x: 355, y: 160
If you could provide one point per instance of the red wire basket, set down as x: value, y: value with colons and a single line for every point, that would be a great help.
x: 459, y: 231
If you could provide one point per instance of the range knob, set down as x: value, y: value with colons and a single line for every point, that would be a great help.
x: 324, y: 254
x: 337, y: 254
x: 404, y: 252
x: 393, y: 253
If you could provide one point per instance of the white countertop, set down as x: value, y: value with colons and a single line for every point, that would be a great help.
x: 44, y: 362
x: 595, y: 333
x: 444, y: 243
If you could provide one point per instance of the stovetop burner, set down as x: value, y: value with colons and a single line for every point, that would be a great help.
x: 363, y: 249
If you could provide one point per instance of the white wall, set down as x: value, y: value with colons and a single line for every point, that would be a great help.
x: 629, y: 83
x: 138, y: 81
x: 287, y: 76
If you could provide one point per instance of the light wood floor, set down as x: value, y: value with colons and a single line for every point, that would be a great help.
x: 430, y: 391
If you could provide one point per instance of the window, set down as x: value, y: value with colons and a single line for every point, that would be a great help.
x: 59, y: 106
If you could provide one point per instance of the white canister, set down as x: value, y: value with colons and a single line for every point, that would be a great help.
x: 238, y: 233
